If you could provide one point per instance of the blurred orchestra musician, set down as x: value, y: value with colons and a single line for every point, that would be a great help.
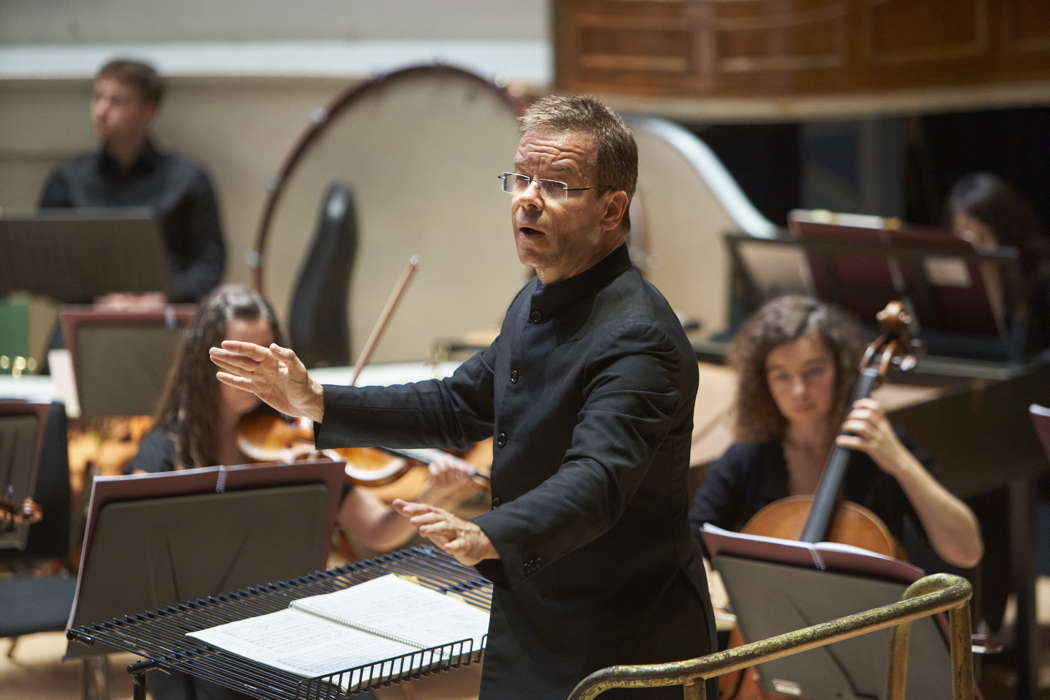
x: 198, y: 417
x: 986, y: 211
x: 589, y: 389
x: 796, y: 361
x: 128, y: 170
x: 197, y: 425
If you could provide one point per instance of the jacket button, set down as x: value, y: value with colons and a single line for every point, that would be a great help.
x: 514, y: 376
x: 501, y: 440
x: 536, y: 316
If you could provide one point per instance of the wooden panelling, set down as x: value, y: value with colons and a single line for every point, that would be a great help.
x: 1027, y: 26
x: 904, y: 31
x: 781, y: 48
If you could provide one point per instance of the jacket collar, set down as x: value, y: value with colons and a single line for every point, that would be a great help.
x: 148, y: 159
x: 549, y: 300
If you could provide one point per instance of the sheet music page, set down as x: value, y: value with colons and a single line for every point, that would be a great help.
x: 401, y: 610
x: 303, y: 644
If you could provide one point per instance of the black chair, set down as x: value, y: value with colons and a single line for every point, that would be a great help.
x: 41, y: 603
x: 318, y: 327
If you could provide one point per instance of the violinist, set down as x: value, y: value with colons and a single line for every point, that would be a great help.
x: 796, y: 361
x: 198, y: 418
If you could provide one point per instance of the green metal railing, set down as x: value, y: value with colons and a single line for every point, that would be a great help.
x: 927, y: 596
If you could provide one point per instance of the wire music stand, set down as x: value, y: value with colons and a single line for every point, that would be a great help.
x: 160, y: 635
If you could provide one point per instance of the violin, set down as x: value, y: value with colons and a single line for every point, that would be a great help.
x: 269, y: 437
x: 824, y: 516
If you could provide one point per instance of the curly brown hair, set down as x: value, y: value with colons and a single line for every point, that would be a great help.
x: 777, y: 322
x: 189, y: 406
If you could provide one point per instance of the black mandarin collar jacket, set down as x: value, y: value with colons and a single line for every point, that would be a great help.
x: 589, y: 393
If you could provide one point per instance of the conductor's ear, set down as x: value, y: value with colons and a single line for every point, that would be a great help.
x: 616, y: 203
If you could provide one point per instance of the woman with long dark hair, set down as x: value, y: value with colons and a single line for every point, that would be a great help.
x: 196, y: 422
x: 986, y: 211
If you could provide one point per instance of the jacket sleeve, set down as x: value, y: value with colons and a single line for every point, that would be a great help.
x: 453, y: 413
x: 632, y: 394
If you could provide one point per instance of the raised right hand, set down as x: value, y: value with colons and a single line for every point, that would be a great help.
x: 274, y: 374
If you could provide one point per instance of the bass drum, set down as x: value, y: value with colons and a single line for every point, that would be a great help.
x: 420, y: 149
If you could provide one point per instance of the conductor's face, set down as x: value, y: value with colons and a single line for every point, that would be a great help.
x: 118, y: 111
x: 558, y: 232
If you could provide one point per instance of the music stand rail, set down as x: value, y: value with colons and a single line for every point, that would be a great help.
x: 160, y: 635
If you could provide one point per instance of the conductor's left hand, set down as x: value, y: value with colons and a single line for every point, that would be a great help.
x: 274, y: 374
x: 461, y: 538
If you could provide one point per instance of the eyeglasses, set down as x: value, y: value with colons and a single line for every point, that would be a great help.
x: 516, y: 183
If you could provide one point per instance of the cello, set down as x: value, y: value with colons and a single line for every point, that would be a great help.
x: 824, y: 516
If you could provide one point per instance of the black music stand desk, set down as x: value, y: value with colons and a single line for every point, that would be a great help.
x: 21, y: 439
x: 76, y: 255
x: 788, y: 591
x: 154, y: 540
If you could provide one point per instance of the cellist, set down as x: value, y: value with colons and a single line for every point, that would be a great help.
x: 796, y: 362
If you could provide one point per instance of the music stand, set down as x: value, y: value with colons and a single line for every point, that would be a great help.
x: 76, y: 255
x: 762, y: 269
x: 806, y: 594
x: 21, y: 443
x: 155, y: 540
x: 121, y: 359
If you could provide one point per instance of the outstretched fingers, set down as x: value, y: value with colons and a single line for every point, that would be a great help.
x: 232, y: 363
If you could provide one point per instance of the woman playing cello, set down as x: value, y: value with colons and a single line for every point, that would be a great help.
x: 796, y: 362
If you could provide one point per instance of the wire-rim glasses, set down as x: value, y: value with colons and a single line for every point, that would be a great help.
x: 516, y: 183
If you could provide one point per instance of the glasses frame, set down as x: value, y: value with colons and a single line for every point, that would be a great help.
x: 563, y: 187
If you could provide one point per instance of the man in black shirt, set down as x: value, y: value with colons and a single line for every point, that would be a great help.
x: 127, y: 169
x: 588, y: 392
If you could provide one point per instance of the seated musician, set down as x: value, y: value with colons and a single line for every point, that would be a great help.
x: 986, y: 211
x: 197, y: 421
x: 128, y: 170
x: 796, y: 360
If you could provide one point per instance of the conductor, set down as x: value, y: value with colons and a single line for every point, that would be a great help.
x: 588, y: 392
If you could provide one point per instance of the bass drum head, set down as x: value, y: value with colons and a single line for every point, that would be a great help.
x: 420, y: 150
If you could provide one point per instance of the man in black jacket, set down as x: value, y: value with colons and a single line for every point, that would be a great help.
x: 589, y: 394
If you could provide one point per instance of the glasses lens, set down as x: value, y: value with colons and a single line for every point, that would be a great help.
x: 513, y: 183
x: 552, y: 189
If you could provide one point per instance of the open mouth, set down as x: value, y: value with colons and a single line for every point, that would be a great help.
x: 529, y: 232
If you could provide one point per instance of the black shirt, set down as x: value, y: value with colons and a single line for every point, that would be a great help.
x: 178, y: 190
x: 156, y: 453
x: 750, y: 476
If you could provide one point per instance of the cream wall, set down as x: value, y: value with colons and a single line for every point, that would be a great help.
x: 240, y: 95
x: 129, y: 21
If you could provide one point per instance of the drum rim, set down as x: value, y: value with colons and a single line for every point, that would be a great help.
x: 324, y: 116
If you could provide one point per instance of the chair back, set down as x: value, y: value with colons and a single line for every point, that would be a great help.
x: 318, y: 320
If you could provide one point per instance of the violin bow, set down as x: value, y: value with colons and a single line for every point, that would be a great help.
x: 377, y: 333
x: 384, y: 319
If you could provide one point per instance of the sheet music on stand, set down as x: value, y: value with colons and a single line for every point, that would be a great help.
x: 160, y: 635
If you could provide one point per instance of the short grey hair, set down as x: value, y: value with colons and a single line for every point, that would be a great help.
x: 616, y: 166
